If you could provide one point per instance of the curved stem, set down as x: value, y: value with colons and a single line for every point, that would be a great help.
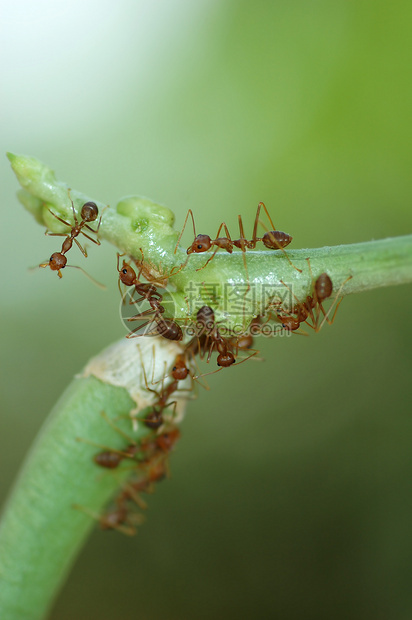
x: 42, y: 531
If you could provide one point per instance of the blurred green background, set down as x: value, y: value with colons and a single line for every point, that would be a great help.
x: 291, y: 494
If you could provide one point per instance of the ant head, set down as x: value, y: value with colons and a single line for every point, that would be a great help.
x: 290, y: 323
x: 157, y: 471
x: 180, y: 370
x: 127, y: 274
x: 89, y: 212
x: 225, y: 359
x: 57, y: 261
x: 166, y: 441
x: 202, y: 243
x: 168, y: 328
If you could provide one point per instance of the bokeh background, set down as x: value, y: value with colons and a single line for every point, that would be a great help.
x: 291, y: 494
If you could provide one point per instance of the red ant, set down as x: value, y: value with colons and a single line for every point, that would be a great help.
x: 209, y: 333
x: 154, y: 419
x: 164, y: 327
x: 89, y: 213
x: 322, y: 290
x: 273, y: 240
x: 180, y: 370
x: 119, y: 518
x: 111, y: 459
x: 245, y: 341
x: 156, y: 470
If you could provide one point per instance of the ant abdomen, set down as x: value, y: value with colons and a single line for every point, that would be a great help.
x: 169, y: 329
x: 323, y: 287
x: 108, y: 459
x: 153, y: 420
x: 276, y: 239
x: 89, y: 212
x: 205, y: 319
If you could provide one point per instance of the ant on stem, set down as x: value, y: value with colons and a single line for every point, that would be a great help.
x: 119, y: 518
x: 322, y: 288
x: 165, y: 327
x: 154, y: 419
x: 110, y: 458
x: 89, y: 213
x: 58, y: 260
x: 209, y: 338
x: 273, y: 240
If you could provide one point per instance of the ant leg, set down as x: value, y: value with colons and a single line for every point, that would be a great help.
x: 254, y: 237
x: 118, y: 257
x: 133, y: 494
x: 210, y: 351
x: 208, y: 261
x: 149, y: 389
x: 141, y: 265
x: 242, y: 233
x: 101, y: 286
x: 121, y: 453
x: 178, y: 269
x: 260, y: 205
x: 60, y: 219
x: 204, y: 384
x: 81, y: 248
x: 183, y: 229
x: 255, y: 352
x: 50, y: 234
x: 73, y: 209
x: 122, y: 294
x: 142, y: 315
x: 133, y: 333
x: 96, y: 241
x: 174, y: 403
x: 116, y: 428
x: 243, y: 248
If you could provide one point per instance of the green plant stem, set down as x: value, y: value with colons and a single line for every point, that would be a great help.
x: 41, y: 533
